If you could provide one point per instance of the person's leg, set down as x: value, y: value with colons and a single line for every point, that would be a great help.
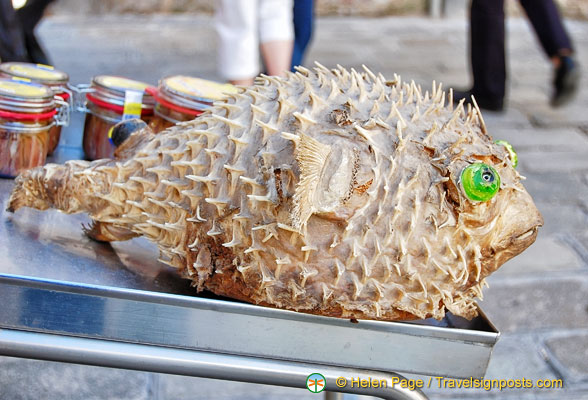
x: 12, y: 42
x: 29, y: 16
x: 487, y: 35
x: 557, y: 44
x: 548, y: 26
x: 276, y: 34
x: 303, y: 27
x: 276, y: 56
x: 238, y: 47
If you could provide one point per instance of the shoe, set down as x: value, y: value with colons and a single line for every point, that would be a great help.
x: 565, y: 82
x: 484, y: 103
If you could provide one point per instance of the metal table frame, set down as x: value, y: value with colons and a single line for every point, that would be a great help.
x: 188, y: 362
x: 106, y: 326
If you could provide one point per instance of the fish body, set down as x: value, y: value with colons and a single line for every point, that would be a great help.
x: 329, y: 191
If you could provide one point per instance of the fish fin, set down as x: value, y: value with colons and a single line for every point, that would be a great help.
x: 312, y: 157
x: 108, y: 232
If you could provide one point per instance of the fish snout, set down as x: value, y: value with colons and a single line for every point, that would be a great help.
x: 518, y: 226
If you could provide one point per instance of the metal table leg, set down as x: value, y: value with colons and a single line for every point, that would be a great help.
x: 179, y: 361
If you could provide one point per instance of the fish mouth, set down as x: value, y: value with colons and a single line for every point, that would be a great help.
x: 531, y: 232
x: 516, y: 245
x: 527, y: 237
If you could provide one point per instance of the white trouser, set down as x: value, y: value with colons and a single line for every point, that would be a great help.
x: 241, y: 26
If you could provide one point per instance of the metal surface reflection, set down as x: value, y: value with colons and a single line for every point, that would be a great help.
x: 221, y: 326
x: 52, y: 245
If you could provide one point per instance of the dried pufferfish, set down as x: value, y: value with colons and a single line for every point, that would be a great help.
x: 330, y: 192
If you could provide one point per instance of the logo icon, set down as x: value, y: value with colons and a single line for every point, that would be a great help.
x: 315, y: 383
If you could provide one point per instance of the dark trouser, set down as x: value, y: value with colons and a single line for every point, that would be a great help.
x: 487, y: 36
x: 303, y: 24
x: 17, y: 31
x: 12, y: 42
x: 29, y: 17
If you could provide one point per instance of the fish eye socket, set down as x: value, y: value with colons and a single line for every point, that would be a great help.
x: 480, y: 182
x: 511, y: 152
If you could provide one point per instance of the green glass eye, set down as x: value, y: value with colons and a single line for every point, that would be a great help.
x: 513, y: 154
x: 480, y: 182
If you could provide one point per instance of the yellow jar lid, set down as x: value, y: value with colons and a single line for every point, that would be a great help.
x: 196, y: 88
x: 35, y: 72
x: 25, y: 90
x: 119, y: 83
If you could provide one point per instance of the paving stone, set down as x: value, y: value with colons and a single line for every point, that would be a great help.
x: 537, y: 305
x: 546, y: 139
x: 562, y: 218
x: 526, y: 349
x: 22, y: 379
x: 567, y: 394
x: 511, y: 117
x: 571, y: 354
x: 526, y: 94
x: 529, y: 364
x: 555, y: 160
x: 571, y: 115
x: 188, y: 40
x: 582, y: 240
x: 521, y: 356
x: 547, y: 187
x: 547, y: 254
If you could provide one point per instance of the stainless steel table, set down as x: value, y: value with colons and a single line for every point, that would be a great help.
x: 64, y: 297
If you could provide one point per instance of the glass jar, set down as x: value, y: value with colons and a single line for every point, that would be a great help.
x: 46, y: 75
x: 182, y: 98
x: 28, y: 112
x: 109, y: 100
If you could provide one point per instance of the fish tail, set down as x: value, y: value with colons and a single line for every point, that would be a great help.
x: 63, y: 187
x: 79, y: 186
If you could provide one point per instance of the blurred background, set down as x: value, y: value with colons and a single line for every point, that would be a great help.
x: 368, y: 8
x: 539, y: 300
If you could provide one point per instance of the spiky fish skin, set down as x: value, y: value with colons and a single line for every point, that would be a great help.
x: 331, y: 192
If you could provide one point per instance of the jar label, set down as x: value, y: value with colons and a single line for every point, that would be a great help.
x: 46, y: 67
x: 18, y: 78
x: 133, y: 103
x: 198, y: 88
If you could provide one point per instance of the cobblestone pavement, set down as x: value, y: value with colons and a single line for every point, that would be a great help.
x: 538, y: 300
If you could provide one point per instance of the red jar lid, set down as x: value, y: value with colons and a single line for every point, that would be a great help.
x: 109, y: 92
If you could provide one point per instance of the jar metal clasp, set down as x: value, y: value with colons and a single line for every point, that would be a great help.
x: 67, y: 90
x: 62, y: 116
x: 79, y: 96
